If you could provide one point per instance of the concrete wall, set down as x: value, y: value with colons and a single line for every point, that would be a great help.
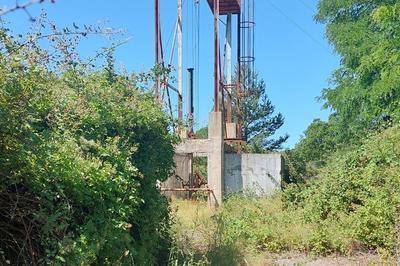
x: 213, y: 149
x: 254, y: 173
x: 181, y: 176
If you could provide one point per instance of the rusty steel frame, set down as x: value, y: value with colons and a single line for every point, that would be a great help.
x: 226, y: 6
x: 186, y: 189
x: 208, y: 190
x: 159, y: 59
x: 239, y: 81
x: 219, y: 87
x: 217, y: 73
x: 216, y: 57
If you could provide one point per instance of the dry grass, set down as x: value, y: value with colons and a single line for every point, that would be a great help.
x: 198, y: 234
x: 188, y: 212
x: 194, y: 227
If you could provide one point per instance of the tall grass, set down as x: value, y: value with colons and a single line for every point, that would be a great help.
x: 352, y: 207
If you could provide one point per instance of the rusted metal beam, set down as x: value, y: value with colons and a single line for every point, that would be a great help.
x: 228, y: 64
x: 186, y: 189
x: 166, y: 83
x: 190, y: 101
x: 238, y: 82
x: 226, y: 6
x: 216, y: 57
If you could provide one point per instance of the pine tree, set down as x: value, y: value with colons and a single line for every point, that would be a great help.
x: 259, y: 121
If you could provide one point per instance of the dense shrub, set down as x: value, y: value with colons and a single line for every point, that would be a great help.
x: 360, y: 188
x: 80, y: 155
x: 353, y: 204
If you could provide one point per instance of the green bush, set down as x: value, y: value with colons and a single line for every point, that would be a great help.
x: 353, y: 204
x: 360, y: 188
x: 80, y: 155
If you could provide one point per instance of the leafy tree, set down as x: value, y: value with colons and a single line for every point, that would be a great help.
x: 259, y: 122
x: 365, y: 92
x: 202, y: 133
x: 109, y: 66
x: 200, y: 163
x: 311, y: 152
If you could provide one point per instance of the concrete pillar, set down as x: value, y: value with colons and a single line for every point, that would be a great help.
x: 231, y: 131
x: 216, y: 158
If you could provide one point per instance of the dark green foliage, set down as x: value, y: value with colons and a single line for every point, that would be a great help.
x: 317, y: 142
x: 200, y: 163
x: 80, y: 153
x: 364, y: 95
x: 359, y: 189
x: 352, y: 206
x: 365, y: 92
x: 202, y: 133
x: 259, y: 121
x: 310, y: 153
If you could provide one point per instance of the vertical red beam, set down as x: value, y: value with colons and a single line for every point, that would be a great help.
x: 239, y: 80
x: 190, y: 100
x: 157, y: 46
x: 228, y: 50
x: 229, y: 105
x: 216, y: 57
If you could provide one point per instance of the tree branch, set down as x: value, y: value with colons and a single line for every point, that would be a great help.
x: 5, y: 10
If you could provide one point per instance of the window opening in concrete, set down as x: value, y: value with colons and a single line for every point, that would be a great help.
x: 199, y: 177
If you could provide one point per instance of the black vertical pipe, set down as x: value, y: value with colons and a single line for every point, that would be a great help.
x: 190, y: 100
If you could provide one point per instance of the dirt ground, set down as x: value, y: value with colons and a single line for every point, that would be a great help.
x: 355, y: 260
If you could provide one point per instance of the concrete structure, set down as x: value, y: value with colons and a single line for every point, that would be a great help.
x: 213, y: 148
x: 225, y: 124
x: 231, y: 131
x: 215, y: 161
x: 260, y: 174
x: 227, y: 173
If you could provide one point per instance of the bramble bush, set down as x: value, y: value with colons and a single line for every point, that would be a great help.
x: 80, y: 154
x: 352, y: 205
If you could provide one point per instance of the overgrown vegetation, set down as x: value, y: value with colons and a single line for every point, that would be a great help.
x: 364, y: 95
x: 259, y: 121
x: 79, y: 158
x: 342, y: 179
x: 353, y: 206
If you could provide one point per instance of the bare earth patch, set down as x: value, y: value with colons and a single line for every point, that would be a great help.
x: 355, y: 260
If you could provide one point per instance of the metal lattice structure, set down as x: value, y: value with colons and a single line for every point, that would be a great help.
x: 225, y: 87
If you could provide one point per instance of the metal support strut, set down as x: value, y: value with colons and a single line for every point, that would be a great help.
x: 216, y: 57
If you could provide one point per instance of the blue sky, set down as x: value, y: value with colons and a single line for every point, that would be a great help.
x: 292, y: 54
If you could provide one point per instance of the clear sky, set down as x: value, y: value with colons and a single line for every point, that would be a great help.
x: 292, y: 54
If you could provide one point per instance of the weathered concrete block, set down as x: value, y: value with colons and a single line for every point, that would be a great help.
x: 215, y: 161
x: 231, y: 130
x: 256, y: 173
x: 201, y: 146
x: 213, y: 148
